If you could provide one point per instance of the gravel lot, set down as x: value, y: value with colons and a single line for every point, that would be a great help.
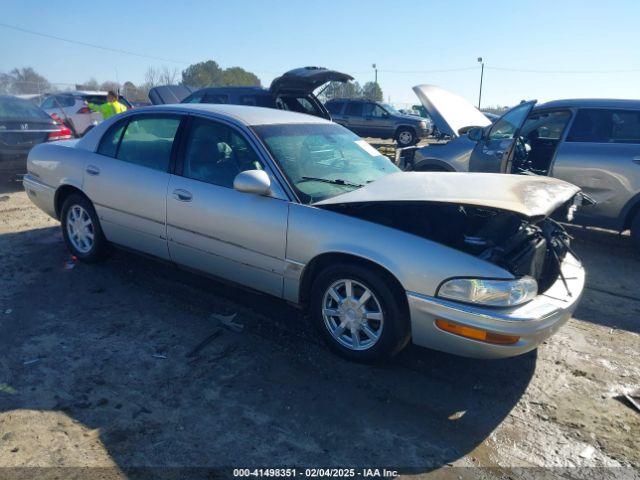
x: 96, y: 371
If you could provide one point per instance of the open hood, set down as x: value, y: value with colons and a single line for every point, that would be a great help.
x: 306, y: 80
x: 169, y: 94
x: 530, y: 196
x: 449, y: 112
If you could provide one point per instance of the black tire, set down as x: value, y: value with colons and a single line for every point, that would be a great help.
x: 635, y: 231
x: 395, y: 332
x: 100, y: 246
x: 405, y: 137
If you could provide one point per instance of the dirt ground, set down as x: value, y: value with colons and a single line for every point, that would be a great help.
x: 99, y: 379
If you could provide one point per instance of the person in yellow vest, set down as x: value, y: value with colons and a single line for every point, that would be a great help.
x: 110, y: 108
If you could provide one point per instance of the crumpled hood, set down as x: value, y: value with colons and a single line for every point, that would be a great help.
x: 530, y: 196
x: 449, y: 112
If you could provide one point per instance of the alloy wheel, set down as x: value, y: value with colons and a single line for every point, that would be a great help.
x: 80, y: 229
x: 352, y: 314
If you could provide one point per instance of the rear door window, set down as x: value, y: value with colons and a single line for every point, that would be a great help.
x: 148, y: 140
x: 110, y: 140
x: 605, y: 126
x: 215, y: 98
x: 334, y: 107
x: 354, y: 109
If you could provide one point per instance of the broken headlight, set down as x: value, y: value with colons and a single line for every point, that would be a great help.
x: 492, y: 293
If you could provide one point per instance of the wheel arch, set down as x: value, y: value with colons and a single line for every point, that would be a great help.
x: 62, y: 193
x: 629, y: 211
x: 322, y: 261
x: 433, y: 165
x: 405, y: 126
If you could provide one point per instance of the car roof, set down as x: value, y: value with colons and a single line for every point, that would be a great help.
x: 361, y: 100
x: 77, y: 93
x: 247, y: 115
x: 590, y: 103
x: 256, y: 90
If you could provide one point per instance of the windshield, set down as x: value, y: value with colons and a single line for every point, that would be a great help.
x: 323, y: 160
x: 389, y: 108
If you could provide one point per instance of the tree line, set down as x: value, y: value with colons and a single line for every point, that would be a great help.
x: 203, y: 74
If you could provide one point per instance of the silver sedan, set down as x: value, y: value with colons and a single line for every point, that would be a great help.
x: 302, y: 209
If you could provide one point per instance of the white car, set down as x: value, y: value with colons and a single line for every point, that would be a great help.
x: 71, y: 108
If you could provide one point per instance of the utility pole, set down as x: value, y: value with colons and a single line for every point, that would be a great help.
x: 375, y: 69
x: 481, y: 75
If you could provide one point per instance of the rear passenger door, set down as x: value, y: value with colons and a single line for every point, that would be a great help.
x: 127, y: 178
x: 352, y: 118
x: 601, y: 155
x: 214, y: 228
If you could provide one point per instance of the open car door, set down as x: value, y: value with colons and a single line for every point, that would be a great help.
x: 494, y: 152
x: 165, y: 94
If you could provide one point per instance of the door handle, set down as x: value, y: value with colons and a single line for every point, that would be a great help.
x: 92, y: 170
x: 182, y: 195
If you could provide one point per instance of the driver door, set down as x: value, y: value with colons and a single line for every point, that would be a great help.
x: 494, y: 152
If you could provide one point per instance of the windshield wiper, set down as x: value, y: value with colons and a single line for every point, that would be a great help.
x: 337, y: 181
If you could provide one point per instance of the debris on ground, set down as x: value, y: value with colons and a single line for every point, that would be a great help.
x: 457, y: 415
x: 227, y: 321
x: 587, y: 452
x: 198, y: 348
x: 69, y: 264
x: 4, y: 198
x: 31, y: 361
x: 8, y: 311
x: 159, y: 355
x: 633, y: 398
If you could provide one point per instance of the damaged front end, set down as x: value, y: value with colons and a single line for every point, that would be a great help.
x: 523, y: 246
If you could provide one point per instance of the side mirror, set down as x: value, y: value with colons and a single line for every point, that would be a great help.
x: 253, y: 181
x: 475, y: 133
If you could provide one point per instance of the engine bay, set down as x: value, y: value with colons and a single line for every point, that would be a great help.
x: 520, y: 245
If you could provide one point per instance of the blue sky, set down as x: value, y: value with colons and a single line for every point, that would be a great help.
x: 269, y: 37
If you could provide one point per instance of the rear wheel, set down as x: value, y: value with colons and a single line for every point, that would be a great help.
x: 405, y: 137
x: 358, y: 313
x: 81, y: 229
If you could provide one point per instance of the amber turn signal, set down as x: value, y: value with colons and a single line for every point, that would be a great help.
x: 476, y: 333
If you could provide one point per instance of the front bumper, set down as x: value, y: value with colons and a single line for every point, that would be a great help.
x: 533, y: 322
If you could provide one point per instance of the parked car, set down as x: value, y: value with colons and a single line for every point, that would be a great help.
x: 378, y: 120
x: 292, y: 91
x: 592, y: 143
x: 23, y: 125
x: 301, y: 208
x: 72, y: 109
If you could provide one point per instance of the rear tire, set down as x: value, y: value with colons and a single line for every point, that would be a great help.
x: 363, y: 322
x: 81, y: 229
x: 405, y: 137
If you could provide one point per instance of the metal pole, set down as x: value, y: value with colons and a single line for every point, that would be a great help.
x: 481, y: 75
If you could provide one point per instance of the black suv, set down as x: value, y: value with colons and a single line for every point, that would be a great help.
x: 379, y: 120
x: 291, y: 91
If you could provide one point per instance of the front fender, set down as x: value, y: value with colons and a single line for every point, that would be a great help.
x: 419, y: 265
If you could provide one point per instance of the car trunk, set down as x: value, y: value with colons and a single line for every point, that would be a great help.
x: 165, y: 94
x: 507, y: 220
x: 305, y: 80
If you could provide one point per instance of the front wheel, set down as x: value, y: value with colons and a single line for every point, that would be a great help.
x: 359, y: 314
x: 81, y: 229
x: 405, y: 137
